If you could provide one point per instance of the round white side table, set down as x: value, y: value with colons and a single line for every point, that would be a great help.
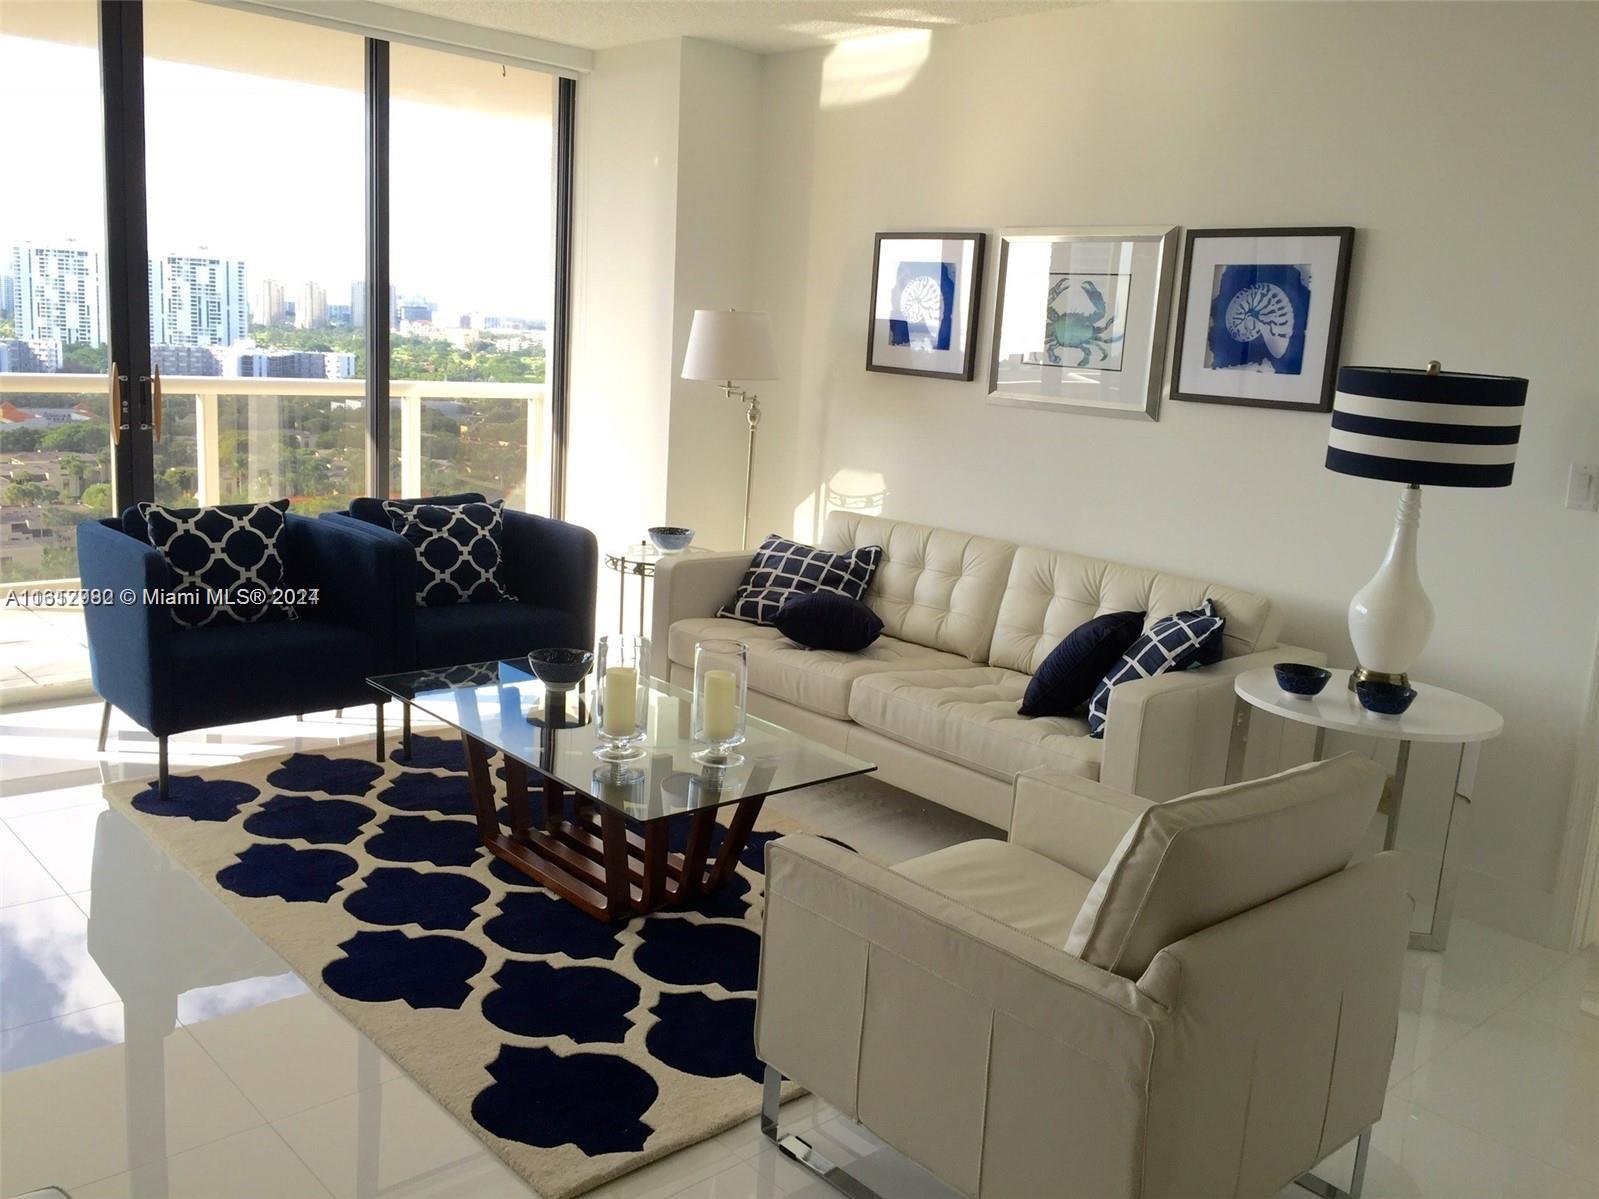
x: 1436, y: 715
x: 639, y: 560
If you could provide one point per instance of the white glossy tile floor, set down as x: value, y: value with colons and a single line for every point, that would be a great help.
x: 152, y: 1046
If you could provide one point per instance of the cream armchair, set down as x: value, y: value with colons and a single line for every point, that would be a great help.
x: 1225, y: 1018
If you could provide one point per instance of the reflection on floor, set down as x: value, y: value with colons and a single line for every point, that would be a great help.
x: 42, y: 648
x: 152, y: 1046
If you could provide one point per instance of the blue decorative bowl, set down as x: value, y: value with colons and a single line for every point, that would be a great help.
x: 1385, y: 699
x: 671, y: 538
x: 1299, y: 678
x: 560, y: 668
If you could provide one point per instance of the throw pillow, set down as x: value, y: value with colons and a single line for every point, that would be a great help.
x: 1173, y: 642
x: 782, y: 569
x: 457, y: 549
x: 225, y: 561
x: 828, y: 620
x: 374, y: 511
x: 1067, y: 677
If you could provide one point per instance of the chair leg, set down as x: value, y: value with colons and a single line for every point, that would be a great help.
x: 798, y: 1150
x: 381, y: 752
x: 405, y: 731
x: 161, y: 767
x: 1357, y: 1176
x: 105, y: 725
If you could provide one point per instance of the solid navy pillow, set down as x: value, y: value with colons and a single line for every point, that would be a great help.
x: 1074, y: 667
x: 369, y: 509
x: 828, y: 620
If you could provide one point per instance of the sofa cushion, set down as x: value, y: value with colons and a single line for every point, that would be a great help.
x: 819, y: 680
x: 782, y: 569
x: 1074, y: 667
x: 827, y: 620
x: 1193, y: 862
x: 933, y: 587
x: 1006, y: 882
x: 1049, y: 593
x: 967, y: 714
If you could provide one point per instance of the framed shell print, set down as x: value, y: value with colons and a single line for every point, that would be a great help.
x: 1080, y: 319
x: 925, y: 288
x: 1261, y: 317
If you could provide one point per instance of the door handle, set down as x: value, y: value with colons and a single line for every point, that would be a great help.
x: 116, y: 406
x: 158, y: 409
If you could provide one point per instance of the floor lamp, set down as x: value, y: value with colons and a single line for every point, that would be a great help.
x: 724, y: 345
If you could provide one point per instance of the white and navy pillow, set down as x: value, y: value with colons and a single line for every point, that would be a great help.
x: 457, y: 549
x: 225, y: 561
x: 1174, y: 642
x: 784, y: 568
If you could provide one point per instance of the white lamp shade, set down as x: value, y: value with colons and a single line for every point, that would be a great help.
x: 727, y: 345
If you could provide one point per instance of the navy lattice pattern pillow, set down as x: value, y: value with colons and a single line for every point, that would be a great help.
x: 225, y: 561
x: 1174, y: 642
x: 783, y: 568
x: 457, y: 550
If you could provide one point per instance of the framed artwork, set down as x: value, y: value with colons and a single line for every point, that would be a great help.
x: 1261, y: 317
x: 924, y: 304
x: 1080, y: 319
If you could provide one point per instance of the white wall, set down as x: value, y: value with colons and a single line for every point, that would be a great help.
x: 1461, y: 142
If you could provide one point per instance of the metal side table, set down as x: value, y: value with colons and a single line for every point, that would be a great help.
x: 638, y: 560
x: 1436, y: 715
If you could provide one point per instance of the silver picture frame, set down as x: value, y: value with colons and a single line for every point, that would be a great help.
x: 1081, y: 319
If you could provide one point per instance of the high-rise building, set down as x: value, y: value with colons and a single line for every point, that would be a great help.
x: 311, y: 307
x: 198, y: 300
x: 267, y: 306
x: 339, y: 315
x: 290, y: 364
x: 358, y: 306
x: 57, y: 293
x: 8, y: 293
x: 184, y: 360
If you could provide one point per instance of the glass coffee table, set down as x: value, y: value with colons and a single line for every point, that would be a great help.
x: 609, y: 855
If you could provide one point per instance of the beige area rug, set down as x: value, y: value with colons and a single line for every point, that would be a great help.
x: 577, y: 1051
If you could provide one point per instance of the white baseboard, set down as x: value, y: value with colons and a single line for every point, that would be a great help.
x: 1522, y: 911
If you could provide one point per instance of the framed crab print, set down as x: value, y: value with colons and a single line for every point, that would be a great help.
x: 1080, y: 319
x: 924, y: 304
x: 1261, y: 317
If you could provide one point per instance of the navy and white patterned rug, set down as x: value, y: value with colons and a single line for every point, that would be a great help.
x: 576, y: 1050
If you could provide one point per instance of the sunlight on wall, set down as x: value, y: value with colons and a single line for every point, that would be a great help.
x: 871, y: 68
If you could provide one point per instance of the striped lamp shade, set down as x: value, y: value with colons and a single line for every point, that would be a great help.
x: 1429, y: 427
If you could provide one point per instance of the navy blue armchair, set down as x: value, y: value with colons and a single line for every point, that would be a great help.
x: 550, y: 566
x: 171, y: 679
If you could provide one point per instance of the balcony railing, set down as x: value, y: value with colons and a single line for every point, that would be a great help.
x: 206, y: 392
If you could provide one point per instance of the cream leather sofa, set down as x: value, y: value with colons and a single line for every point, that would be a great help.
x: 966, y: 621
x: 1212, y: 1015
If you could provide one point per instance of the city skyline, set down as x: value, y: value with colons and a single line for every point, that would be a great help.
x: 479, y: 248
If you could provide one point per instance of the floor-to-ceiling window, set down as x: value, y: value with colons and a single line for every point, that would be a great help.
x: 471, y: 243
x: 55, y: 439
x: 239, y: 148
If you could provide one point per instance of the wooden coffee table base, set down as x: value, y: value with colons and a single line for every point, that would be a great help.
x: 595, y: 861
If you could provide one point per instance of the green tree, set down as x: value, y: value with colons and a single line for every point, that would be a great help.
x: 79, y: 437
x: 79, y: 358
x: 19, y: 440
x: 97, y: 498
x: 27, y: 495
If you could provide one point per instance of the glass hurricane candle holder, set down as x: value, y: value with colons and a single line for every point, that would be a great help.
x: 621, y: 702
x: 721, y: 694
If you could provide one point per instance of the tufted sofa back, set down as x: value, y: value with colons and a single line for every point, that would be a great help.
x: 933, y: 587
x: 1051, y: 592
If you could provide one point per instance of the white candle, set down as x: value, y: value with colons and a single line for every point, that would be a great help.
x: 621, y: 701
x: 719, y: 716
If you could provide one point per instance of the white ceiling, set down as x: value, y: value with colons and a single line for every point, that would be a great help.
x: 764, y: 26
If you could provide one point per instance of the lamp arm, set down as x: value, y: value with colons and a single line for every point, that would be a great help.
x: 752, y: 415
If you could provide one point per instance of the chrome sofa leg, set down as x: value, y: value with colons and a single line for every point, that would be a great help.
x: 1357, y: 1176
x: 798, y: 1150
x: 105, y: 725
x: 161, y: 767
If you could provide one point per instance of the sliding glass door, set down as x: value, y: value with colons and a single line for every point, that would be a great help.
x: 471, y: 237
x: 185, y: 260
x: 254, y: 131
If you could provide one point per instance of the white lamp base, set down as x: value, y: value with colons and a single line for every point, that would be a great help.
x: 1391, y: 617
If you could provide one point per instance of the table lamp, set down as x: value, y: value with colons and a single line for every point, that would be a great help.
x: 724, y: 345
x: 1415, y: 427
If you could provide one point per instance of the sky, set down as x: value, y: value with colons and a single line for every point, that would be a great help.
x: 271, y: 171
